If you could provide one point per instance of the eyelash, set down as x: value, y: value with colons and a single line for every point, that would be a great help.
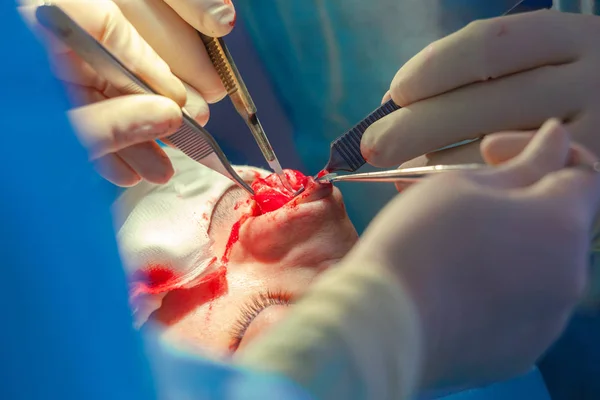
x: 250, y: 310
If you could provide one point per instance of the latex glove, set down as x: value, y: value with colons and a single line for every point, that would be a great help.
x: 493, y: 149
x: 495, y: 261
x: 501, y: 147
x: 119, y: 129
x: 507, y: 73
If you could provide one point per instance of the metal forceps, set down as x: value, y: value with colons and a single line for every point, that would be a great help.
x: 242, y: 101
x: 401, y: 175
x: 411, y: 175
x: 191, y: 138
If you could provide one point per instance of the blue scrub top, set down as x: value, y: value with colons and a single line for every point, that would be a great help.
x: 66, y: 330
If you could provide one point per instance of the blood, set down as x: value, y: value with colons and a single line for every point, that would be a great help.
x: 269, y: 195
x: 179, y: 302
x: 322, y: 173
x: 234, y: 236
x: 154, y: 279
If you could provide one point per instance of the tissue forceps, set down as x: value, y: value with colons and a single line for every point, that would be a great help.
x: 402, y: 174
x: 410, y: 175
x: 242, y: 101
x: 191, y: 138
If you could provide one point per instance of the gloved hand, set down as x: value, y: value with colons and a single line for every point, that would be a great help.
x: 499, y: 148
x: 156, y: 39
x: 502, y: 74
x: 493, y: 299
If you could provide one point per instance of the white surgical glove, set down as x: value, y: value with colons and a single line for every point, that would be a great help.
x: 157, y: 40
x: 502, y: 74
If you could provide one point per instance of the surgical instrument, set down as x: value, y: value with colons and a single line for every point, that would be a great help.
x: 191, y: 138
x: 410, y: 175
x: 345, y: 152
x: 242, y: 101
x: 402, y: 174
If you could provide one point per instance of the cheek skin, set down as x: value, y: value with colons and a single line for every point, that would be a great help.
x: 207, y: 328
x: 201, y: 319
x: 198, y: 331
x: 180, y: 302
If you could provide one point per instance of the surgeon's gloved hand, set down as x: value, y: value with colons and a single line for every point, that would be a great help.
x: 503, y: 74
x: 493, y: 299
x: 158, y: 40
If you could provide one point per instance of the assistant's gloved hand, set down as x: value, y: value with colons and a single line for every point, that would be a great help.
x: 502, y: 147
x: 157, y: 40
x: 502, y: 74
x: 495, y: 261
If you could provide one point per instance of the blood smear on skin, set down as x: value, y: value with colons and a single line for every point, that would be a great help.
x: 234, y: 236
x: 180, y: 302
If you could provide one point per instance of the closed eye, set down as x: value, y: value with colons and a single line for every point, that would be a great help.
x: 251, y: 309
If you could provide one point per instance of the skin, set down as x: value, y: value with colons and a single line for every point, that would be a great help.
x: 266, y: 258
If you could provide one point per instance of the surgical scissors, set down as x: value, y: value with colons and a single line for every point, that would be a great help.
x: 242, y: 101
x: 191, y: 138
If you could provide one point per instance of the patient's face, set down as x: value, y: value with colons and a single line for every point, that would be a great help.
x: 266, y: 264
